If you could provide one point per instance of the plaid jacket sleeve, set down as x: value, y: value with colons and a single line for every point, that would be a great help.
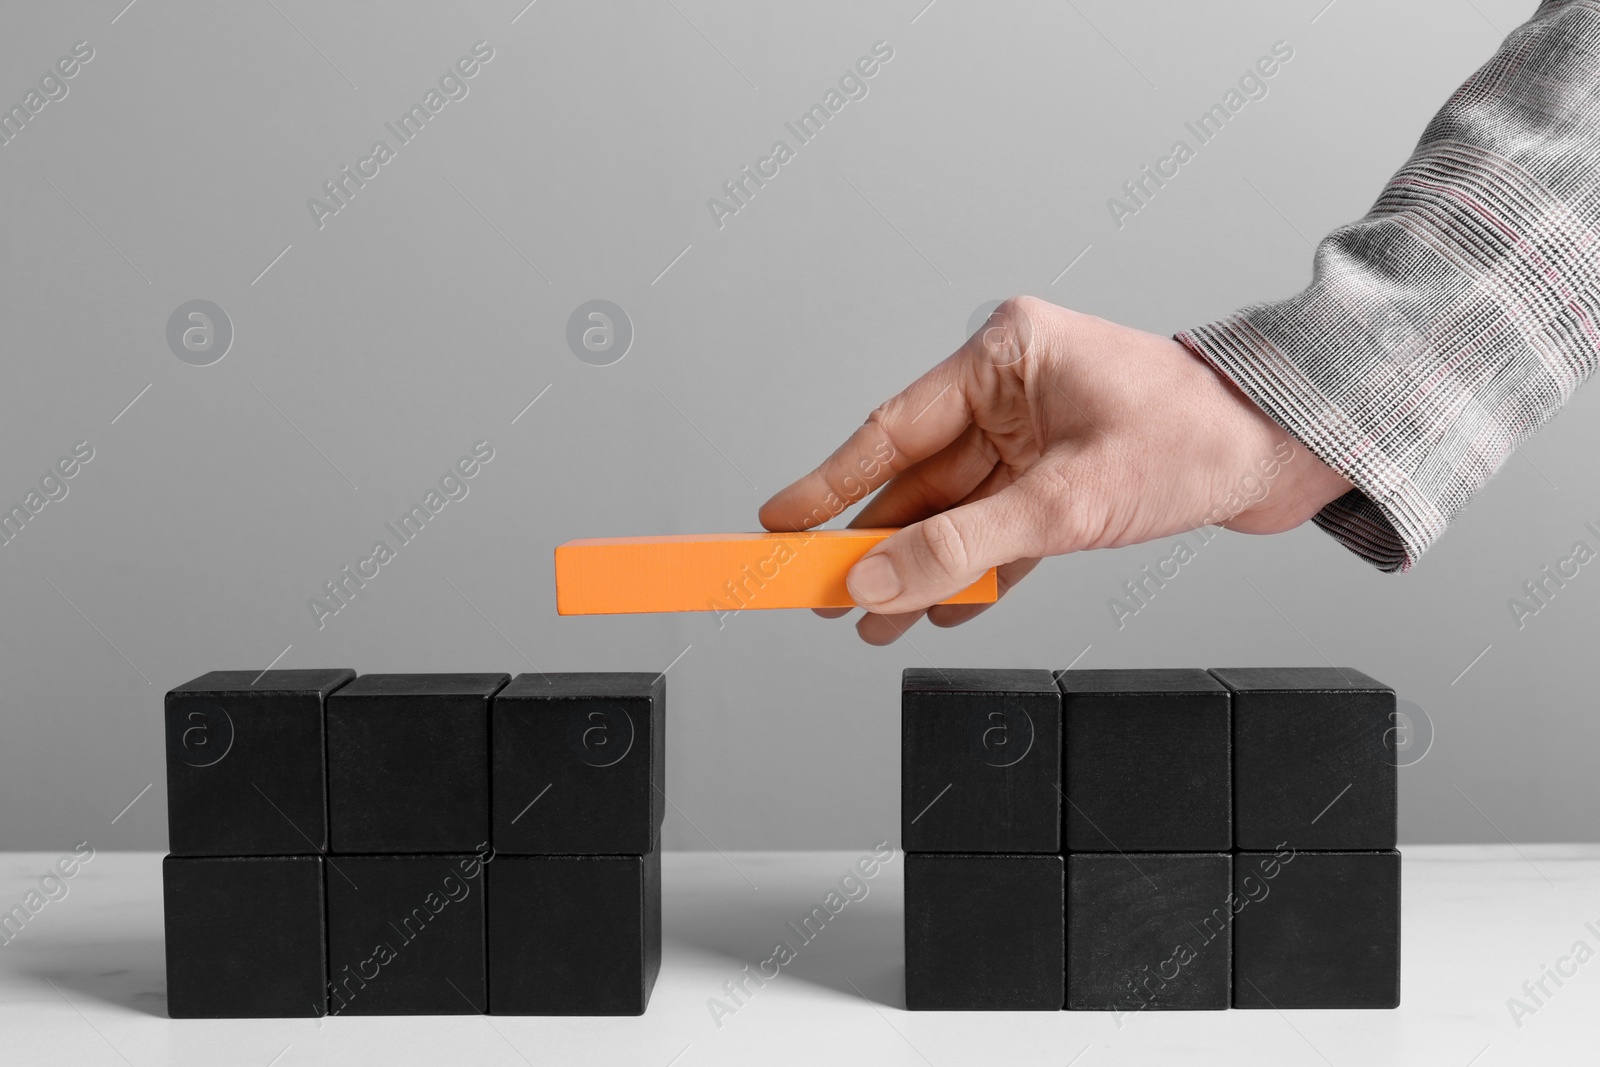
x: 1441, y: 330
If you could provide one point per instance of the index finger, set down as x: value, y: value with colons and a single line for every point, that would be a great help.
x: 913, y: 425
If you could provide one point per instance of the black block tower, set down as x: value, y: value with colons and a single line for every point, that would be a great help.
x: 1316, y: 785
x: 1135, y: 840
x: 980, y: 825
x: 1149, y: 837
x: 336, y: 844
x: 575, y: 893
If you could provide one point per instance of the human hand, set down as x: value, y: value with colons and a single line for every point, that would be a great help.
x: 1048, y: 432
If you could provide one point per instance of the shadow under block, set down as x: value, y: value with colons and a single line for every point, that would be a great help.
x: 1149, y: 931
x: 1148, y: 761
x: 720, y: 572
x: 980, y: 760
x: 244, y: 937
x: 573, y: 935
x: 245, y: 771
x: 1322, y: 932
x: 406, y: 935
x: 984, y: 933
x: 578, y: 761
x: 408, y: 762
x: 1314, y: 765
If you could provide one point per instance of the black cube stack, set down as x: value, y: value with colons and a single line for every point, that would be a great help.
x: 399, y: 844
x: 1314, y: 768
x: 1149, y: 831
x: 1149, y: 839
x: 980, y: 796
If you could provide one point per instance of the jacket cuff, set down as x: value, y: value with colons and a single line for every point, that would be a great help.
x: 1387, y: 519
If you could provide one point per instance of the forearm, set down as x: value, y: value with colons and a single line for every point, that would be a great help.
x: 1441, y: 330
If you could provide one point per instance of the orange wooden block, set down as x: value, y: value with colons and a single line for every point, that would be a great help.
x: 720, y: 572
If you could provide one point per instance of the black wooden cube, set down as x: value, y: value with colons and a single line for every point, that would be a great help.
x: 1149, y: 930
x: 408, y: 762
x: 578, y: 764
x: 245, y: 937
x: 984, y: 932
x: 406, y: 935
x: 980, y: 761
x: 245, y: 763
x: 1314, y: 760
x: 573, y: 935
x: 1148, y: 761
x: 1318, y: 929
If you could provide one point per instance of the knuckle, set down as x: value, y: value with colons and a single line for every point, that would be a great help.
x: 1025, y: 315
x: 881, y: 418
x: 1021, y: 307
x: 945, y: 544
x: 1012, y: 333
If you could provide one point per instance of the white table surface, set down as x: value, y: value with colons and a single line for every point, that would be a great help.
x: 85, y: 983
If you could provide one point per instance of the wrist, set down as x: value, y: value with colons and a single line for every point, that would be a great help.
x: 1291, y: 483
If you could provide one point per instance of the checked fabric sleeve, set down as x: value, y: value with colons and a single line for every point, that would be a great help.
x: 1441, y: 330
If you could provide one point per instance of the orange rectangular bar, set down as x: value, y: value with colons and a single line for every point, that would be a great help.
x: 720, y: 572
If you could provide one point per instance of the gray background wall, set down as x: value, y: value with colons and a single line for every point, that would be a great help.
x: 429, y: 312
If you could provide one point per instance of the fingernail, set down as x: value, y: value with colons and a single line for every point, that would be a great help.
x: 873, y: 581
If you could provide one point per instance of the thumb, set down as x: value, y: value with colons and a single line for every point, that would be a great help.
x: 942, y: 555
